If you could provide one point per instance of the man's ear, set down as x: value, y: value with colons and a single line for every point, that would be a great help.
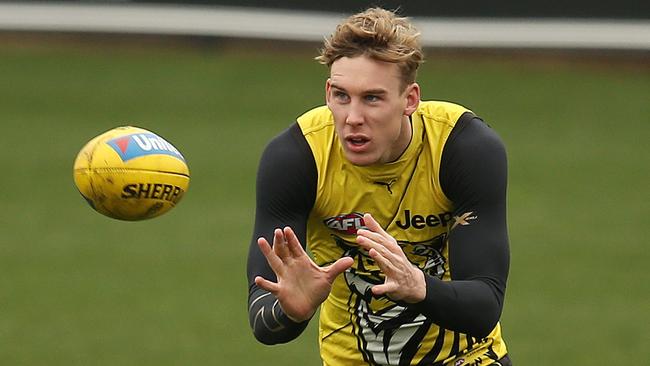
x: 412, y: 98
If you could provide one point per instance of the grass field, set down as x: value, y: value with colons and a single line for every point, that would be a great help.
x: 77, y: 288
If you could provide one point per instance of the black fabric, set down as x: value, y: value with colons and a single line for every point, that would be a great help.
x: 504, y: 361
x: 473, y: 176
x: 286, y: 191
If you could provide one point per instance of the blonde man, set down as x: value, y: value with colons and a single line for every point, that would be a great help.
x: 402, y: 205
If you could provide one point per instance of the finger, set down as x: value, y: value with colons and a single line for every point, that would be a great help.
x: 367, y: 243
x: 376, y: 237
x: 372, y: 224
x: 378, y: 234
x: 381, y: 245
x: 274, y: 261
x: 293, y: 244
x: 280, y: 244
x: 385, y: 261
x: 267, y: 285
x: 338, y: 267
x: 386, y: 288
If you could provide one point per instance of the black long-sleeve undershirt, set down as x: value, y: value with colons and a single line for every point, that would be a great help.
x: 473, y: 176
x: 286, y: 192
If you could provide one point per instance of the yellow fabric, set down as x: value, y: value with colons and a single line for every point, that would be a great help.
x: 406, y: 199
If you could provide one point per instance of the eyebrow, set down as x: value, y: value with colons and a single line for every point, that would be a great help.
x: 369, y: 91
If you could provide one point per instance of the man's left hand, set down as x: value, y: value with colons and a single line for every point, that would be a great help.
x: 404, y: 281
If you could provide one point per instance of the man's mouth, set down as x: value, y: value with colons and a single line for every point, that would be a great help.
x: 357, y: 143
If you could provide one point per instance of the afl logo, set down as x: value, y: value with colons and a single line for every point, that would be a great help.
x: 140, y: 144
x: 347, y: 223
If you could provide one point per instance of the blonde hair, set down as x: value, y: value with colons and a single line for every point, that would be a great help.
x: 379, y: 34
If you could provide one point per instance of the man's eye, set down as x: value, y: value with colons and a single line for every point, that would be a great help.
x: 340, y: 95
x: 371, y: 98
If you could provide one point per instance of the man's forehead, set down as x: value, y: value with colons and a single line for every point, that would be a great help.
x: 365, y: 73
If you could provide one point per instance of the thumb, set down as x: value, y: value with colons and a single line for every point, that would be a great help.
x: 339, y: 267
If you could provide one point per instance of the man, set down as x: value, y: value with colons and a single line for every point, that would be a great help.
x: 402, y: 205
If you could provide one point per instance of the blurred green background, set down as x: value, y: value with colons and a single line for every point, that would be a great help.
x: 77, y: 288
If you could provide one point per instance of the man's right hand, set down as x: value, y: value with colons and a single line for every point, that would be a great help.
x: 302, y: 285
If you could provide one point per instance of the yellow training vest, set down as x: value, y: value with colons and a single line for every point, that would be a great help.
x: 405, y: 197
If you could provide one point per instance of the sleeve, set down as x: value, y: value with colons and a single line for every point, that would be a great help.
x: 473, y: 175
x: 286, y: 191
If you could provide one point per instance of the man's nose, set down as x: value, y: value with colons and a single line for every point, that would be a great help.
x: 355, y: 114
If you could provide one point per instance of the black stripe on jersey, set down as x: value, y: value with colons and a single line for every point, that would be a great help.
x: 491, y: 354
x: 356, y: 329
x: 454, y: 345
x: 435, y: 350
x: 336, y: 331
x: 470, y: 342
x: 413, y: 345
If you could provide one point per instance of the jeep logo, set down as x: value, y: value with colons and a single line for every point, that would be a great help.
x: 420, y: 222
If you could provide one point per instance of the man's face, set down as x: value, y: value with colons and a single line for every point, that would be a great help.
x: 370, y: 109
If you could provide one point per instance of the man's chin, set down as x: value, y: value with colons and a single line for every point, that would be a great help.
x: 360, y: 159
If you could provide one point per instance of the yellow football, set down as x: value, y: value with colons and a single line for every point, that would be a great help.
x: 129, y: 173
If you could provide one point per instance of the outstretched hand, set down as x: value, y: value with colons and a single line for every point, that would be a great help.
x: 404, y: 281
x: 302, y: 285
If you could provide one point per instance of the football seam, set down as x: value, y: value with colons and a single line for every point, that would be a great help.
x: 132, y: 169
